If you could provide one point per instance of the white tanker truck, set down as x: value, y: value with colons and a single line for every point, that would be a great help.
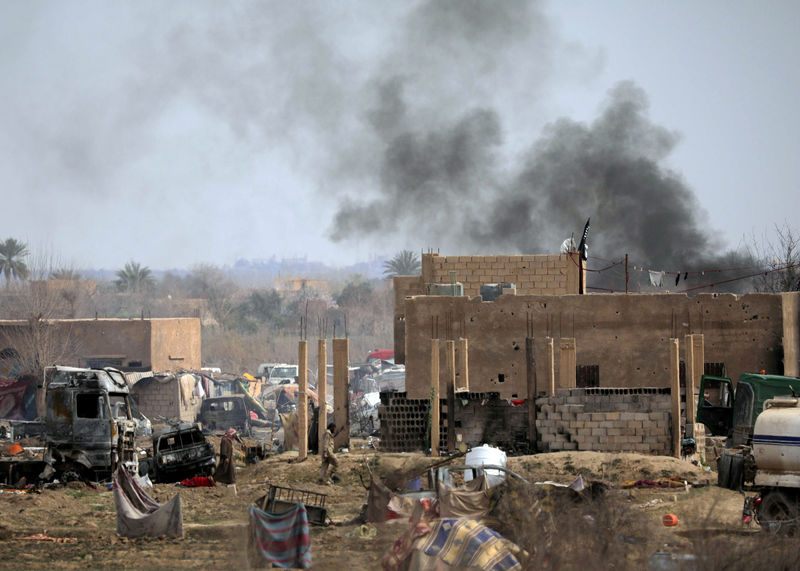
x: 772, y: 464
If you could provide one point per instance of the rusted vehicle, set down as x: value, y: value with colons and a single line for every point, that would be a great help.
x: 89, y: 426
x: 221, y: 413
x: 179, y: 452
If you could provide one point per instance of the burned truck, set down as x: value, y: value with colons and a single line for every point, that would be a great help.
x: 89, y: 426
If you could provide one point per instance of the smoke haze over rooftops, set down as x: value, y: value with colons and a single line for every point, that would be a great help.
x: 192, y: 132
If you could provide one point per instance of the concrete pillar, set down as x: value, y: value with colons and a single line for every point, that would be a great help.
x: 463, y: 373
x: 550, y: 366
x: 322, y: 389
x: 699, y: 355
x: 530, y: 361
x: 341, y: 392
x: 692, y: 381
x: 450, y: 394
x: 302, y: 398
x: 566, y: 363
x: 699, y: 358
x: 675, y: 391
x: 791, y: 340
x: 435, y: 397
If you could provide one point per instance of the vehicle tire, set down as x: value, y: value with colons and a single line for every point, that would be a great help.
x: 724, y: 470
x: 778, y: 513
x: 736, y: 472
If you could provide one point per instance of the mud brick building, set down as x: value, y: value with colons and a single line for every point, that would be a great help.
x: 166, y: 344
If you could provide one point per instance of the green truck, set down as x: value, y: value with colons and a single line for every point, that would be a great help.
x: 730, y: 412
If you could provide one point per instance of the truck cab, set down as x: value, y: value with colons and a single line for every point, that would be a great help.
x: 89, y: 425
x: 732, y: 412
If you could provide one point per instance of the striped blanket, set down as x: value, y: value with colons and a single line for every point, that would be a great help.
x: 452, y: 544
x: 282, y: 539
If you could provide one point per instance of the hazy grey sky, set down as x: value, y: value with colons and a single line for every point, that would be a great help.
x: 176, y: 133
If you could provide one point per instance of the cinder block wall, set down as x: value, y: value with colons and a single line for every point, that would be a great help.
x: 606, y: 420
x: 532, y: 275
x: 597, y: 419
x: 163, y: 401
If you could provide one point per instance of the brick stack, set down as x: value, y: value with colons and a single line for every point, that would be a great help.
x: 403, y: 422
x: 606, y: 420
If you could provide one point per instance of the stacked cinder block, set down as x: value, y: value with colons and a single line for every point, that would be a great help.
x: 606, y: 420
x: 158, y: 400
x: 404, y: 423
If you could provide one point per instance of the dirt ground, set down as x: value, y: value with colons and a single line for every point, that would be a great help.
x: 215, y: 519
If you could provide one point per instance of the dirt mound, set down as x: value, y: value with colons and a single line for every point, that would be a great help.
x: 611, y: 467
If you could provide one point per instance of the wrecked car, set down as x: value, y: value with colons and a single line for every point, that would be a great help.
x: 179, y: 452
x: 221, y: 413
x: 89, y: 425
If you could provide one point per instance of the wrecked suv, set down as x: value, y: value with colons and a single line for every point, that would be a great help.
x: 179, y: 452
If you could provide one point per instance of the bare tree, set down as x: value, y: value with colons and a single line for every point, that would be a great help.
x: 38, y: 338
x: 780, y: 259
x: 210, y: 283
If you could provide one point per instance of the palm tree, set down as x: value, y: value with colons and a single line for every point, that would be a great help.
x: 65, y: 274
x: 406, y: 263
x: 11, y: 264
x: 134, y: 277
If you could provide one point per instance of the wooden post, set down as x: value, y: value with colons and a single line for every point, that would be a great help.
x: 566, y: 363
x: 341, y: 392
x: 435, y: 397
x: 530, y: 360
x: 550, y: 366
x: 322, y: 390
x: 302, y: 398
x: 675, y: 391
x: 463, y: 348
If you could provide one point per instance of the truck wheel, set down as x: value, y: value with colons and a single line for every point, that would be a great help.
x: 736, y: 472
x: 724, y: 470
x: 778, y: 514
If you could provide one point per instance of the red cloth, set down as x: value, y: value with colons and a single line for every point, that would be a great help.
x: 198, y: 482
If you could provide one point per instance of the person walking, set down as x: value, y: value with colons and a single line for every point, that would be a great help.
x: 225, y: 473
x: 328, y: 458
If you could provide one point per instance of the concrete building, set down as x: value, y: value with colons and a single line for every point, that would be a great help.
x: 605, y: 367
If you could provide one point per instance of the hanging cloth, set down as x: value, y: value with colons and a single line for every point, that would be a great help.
x: 656, y: 278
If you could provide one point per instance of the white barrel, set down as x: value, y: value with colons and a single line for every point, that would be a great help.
x: 776, y: 436
x: 485, y: 454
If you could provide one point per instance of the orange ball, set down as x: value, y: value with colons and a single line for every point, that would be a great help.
x: 670, y: 520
